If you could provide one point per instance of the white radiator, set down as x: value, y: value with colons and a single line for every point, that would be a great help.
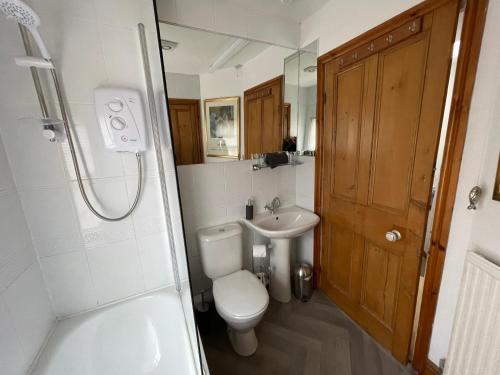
x: 475, y: 341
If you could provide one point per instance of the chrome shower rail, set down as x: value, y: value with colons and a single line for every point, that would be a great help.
x: 159, y: 156
x: 34, y: 73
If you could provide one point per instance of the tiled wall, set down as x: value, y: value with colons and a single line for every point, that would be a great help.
x: 304, y: 179
x: 26, y: 315
x: 86, y: 262
x: 216, y: 193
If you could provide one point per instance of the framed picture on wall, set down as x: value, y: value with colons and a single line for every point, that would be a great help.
x: 496, y: 188
x: 222, y: 127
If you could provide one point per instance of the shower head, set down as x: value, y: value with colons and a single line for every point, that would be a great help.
x: 23, y: 14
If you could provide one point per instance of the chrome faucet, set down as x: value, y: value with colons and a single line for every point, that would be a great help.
x: 273, y: 206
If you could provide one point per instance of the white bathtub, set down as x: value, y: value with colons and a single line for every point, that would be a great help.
x: 145, y: 335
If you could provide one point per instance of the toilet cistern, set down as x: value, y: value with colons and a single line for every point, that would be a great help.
x: 273, y: 206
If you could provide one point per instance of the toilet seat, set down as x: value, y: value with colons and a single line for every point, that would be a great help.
x: 240, y: 295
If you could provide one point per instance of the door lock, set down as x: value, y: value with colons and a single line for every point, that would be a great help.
x: 393, y: 235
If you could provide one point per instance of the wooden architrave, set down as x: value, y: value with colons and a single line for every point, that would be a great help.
x: 472, y: 34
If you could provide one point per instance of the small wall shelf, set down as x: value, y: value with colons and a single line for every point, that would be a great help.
x: 259, y: 166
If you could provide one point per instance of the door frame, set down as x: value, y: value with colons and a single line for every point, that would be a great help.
x: 471, y: 37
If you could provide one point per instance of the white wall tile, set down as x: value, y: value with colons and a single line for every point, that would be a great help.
x: 14, y: 262
x: 148, y: 217
x: 52, y: 220
x: 116, y: 270
x: 13, y: 230
x: 209, y: 184
x: 28, y: 304
x: 109, y: 197
x: 6, y: 182
x: 305, y: 183
x: 77, y: 52
x: 121, y: 50
x: 13, y: 361
x: 69, y: 282
x: 264, y: 187
x: 34, y: 160
x: 65, y: 9
x: 94, y: 159
x: 286, y: 185
x: 118, y: 13
x: 154, y: 251
x: 238, y: 182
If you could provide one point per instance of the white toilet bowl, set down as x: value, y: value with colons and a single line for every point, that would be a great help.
x: 241, y: 300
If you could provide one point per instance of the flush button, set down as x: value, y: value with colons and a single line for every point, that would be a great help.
x: 115, y: 105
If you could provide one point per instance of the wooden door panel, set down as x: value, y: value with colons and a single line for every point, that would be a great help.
x: 186, y: 130
x: 400, y: 84
x: 253, y: 110
x: 381, y: 271
x: 263, y: 126
x: 340, y: 258
x: 347, y: 127
x: 379, y: 131
x: 268, y: 141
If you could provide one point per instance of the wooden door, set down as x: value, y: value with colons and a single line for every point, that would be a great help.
x: 381, y: 118
x: 287, y: 114
x: 186, y: 131
x: 263, y: 117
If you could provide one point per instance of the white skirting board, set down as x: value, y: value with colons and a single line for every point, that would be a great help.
x: 475, y: 341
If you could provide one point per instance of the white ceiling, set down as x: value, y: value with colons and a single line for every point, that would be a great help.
x: 297, y: 10
x: 198, y: 49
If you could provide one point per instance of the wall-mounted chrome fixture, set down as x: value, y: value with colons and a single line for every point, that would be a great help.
x: 474, y: 196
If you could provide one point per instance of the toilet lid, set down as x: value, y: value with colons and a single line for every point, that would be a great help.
x: 240, y: 294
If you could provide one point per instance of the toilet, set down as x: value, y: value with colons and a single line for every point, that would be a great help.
x: 240, y: 298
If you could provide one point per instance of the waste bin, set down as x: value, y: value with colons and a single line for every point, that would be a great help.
x: 303, y: 282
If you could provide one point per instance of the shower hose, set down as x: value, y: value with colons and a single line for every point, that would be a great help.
x: 74, y: 158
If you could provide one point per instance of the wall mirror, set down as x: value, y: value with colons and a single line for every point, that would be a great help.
x: 231, y: 97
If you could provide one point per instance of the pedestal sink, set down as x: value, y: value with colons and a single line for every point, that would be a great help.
x: 281, y: 227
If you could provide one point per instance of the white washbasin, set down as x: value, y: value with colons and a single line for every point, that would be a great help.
x: 287, y: 222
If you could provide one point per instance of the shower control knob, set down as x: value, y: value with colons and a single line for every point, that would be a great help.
x: 118, y: 123
x: 115, y: 105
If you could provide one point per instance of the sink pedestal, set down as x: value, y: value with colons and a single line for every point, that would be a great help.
x: 281, y: 288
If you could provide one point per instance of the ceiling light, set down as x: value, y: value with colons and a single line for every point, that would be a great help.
x: 168, y: 45
x: 310, y: 69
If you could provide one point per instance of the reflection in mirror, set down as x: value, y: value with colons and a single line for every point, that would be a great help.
x: 225, y: 95
x: 306, y: 119
x: 300, y: 89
